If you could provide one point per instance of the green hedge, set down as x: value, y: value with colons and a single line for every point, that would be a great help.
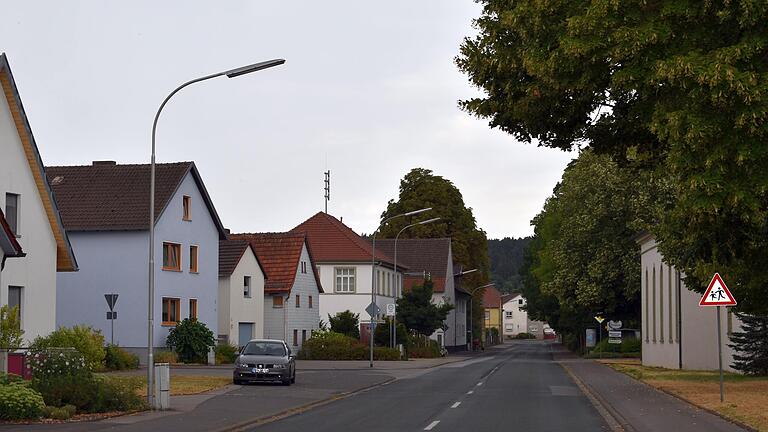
x: 85, y: 339
x: 628, y: 345
x: 524, y: 335
x: 19, y: 402
x: 226, y: 353
x: 327, y: 345
x: 120, y: 359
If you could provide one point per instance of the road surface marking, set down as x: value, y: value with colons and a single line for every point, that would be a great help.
x: 431, y: 425
x: 455, y: 404
x: 480, y: 383
x: 470, y: 392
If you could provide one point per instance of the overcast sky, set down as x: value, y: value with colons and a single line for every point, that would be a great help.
x: 369, y: 91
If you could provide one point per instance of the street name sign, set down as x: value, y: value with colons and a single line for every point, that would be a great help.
x: 717, y: 294
x: 614, y: 334
x: 614, y: 325
x: 614, y: 340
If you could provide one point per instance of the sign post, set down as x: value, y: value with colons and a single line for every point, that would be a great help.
x: 111, y: 315
x: 717, y: 294
x: 599, y: 318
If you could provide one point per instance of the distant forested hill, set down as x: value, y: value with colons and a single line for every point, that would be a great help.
x: 506, y: 256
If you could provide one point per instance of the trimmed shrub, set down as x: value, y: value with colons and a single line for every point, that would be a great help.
x: 85, y: 339
x: 191, y: 340
x: 226, y: 353
x: 524, y: 335
x: 326, y: 345
x: 423, y: 347
x: 166, y: 357
x: 19, y: 402
x: 120, y: 359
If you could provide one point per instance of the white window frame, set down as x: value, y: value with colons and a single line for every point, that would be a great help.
x: 342, y: 274
x: 247, y: 286
x: 17, y: 229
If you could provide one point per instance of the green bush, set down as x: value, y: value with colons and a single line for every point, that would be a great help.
x: 524, y: 335
x: 19, y: 402
x: 346, y: 323
x: 226, y: 353
x: 191, y: 340
x: 423, y: 347
x: 633, y: 345
x: 165, y: 357
x: 120, y: 359
x: 326, y: 345
x: 85, y: 339
x: 381, y: 334
x: 56, y: 413
x: 9, y: 378
x: 627, y: 346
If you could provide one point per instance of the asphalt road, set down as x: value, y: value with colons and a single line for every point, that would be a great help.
x: 518, y: 388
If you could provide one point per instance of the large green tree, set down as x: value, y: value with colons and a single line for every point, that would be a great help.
x: 679, y: 87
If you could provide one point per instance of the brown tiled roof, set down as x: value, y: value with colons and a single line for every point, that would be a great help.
x: 279, y: 255
x: 65, y: 256
x: 332, y: 241
x: 491, y: 297
x: 230, y: 253
x: 8, y: 239
x: 111, y: 197
x: 421, y: 255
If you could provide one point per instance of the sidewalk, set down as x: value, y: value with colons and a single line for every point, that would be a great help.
x: 637, y: 406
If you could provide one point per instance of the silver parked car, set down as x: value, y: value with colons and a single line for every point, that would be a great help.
x: 265, y: 360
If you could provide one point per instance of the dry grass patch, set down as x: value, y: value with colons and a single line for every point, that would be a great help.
x: 182, y: 384
x: 745, y: 397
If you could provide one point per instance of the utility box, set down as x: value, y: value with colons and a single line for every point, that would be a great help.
x: 211, y: 356
x: 162, y: 386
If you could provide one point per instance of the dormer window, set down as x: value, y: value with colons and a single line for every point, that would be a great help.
x: 187, y: 202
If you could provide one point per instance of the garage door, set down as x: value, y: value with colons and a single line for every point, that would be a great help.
x: 245, y: 333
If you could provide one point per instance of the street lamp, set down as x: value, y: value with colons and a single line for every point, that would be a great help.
x: 373, y: 268
x: 397, y: 285
x: 232, y: 73
x: 471, y: 309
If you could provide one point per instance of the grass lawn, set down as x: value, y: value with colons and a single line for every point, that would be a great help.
x: 180, y: 384
x: 746, y: 398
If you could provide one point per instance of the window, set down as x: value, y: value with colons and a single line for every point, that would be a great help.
x: 345, y: 279
x: 520, y: 301
x: 303, y: 336
x: 277, y: 301
x: 247, y: 286
x: 171, y: 256
x: 487, y: 315
x: 193, y: 259
x: 304, y: 267
x: 12, y: 211
x: 298, y: 300
x: 508, y: 314
x: 15, y: 299
x: 192, y: 308
x: 170, y: 311
x: 187, y: 216
x: 310, y: 302
x: 295, y: 337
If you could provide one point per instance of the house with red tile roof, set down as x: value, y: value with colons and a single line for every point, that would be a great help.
x: 344, y: 264
x: 105, y: 208
x: 292, y: 289
x: 433, y: 259
x: 31, y: 222
x: 241, y: 293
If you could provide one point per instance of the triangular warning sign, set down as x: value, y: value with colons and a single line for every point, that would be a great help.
x: 717, y: 294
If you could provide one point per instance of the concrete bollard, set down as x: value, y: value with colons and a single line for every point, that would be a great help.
x: 162, y: 386
x: 211, y: 357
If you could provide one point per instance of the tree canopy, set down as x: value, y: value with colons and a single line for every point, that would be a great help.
x: 506, y: 257
x: 346, y: 323
x: 679, y: 88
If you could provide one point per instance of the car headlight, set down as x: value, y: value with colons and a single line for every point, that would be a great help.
x: 280, y: 366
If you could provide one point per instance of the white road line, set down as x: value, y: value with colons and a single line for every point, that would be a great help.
x: 470, y: 392
x: 480, y: 383
x: 431, y: 425
x: 455, y: 404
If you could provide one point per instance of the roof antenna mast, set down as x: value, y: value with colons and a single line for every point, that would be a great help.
x: 327, y: 189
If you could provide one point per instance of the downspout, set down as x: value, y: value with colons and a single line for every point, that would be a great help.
x: 679, y: 325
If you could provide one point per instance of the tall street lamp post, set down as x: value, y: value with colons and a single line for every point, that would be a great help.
x: 393, y: 328
x: 471, y: 309
x: 232, y: 73
x: 373, y: 270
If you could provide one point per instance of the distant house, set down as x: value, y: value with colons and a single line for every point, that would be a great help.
x: 492, y: 303
x: 292, y: 289
x: 433, y: 259
x: 31, y: 216
x: 105, y: 206
x: 516, y: 318
x: 343, y: 261
x: 676, y: 331
x: 241, y: 293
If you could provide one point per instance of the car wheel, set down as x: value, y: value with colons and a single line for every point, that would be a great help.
x: 293, y: 378
x: 287, y: 382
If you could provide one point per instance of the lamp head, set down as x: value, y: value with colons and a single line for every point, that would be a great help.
x: 253, y: 68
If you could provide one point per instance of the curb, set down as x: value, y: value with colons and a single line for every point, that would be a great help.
x: 258, y: 421
x: 614, y: 420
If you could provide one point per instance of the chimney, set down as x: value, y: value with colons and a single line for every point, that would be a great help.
x: 104, y: 163
x: 226, y: 230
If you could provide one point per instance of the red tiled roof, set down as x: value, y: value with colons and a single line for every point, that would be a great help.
x: 279, y: 255
x: 421, y: 255
x: 112, y: 197
x: 230, y: 253
x: 491, y: 297
x: 332, y: 241
x: 8, y: 238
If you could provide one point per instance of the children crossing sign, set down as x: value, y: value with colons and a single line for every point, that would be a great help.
x: 717, y: 294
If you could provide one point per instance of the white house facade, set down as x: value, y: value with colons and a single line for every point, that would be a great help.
x: 31, y: 213
x: 515, y: 319
x: 241, y: 293
x: 676, y: 332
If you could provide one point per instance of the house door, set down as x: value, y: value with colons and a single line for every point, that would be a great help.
x: 245, y: 333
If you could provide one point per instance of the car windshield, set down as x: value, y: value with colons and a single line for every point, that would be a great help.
x: 264, y: 348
